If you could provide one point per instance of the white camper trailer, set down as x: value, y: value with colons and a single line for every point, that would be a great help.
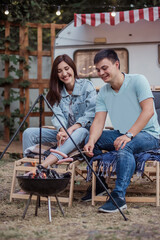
x: 135, y: 35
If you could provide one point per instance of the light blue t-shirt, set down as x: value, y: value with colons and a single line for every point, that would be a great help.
x: 123, y: 106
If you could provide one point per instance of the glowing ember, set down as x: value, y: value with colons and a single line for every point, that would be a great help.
x: 44, y: 173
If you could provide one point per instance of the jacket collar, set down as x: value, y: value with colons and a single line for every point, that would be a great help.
x: 76, y: 90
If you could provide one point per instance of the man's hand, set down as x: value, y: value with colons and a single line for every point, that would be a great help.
x: 88, y: 148
x: 121, y: 142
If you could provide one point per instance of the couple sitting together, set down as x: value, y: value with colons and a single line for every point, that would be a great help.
x: 128, y: 100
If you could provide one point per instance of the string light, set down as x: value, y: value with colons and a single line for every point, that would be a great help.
x: 58, y: 13
x: 113, y: 13
x: 87, y: 72
x: 6, y: 12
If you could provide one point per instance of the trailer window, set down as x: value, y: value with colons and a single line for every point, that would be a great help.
x: 84, y: 62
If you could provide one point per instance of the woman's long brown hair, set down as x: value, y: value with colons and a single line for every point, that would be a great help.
x: 55, y: 85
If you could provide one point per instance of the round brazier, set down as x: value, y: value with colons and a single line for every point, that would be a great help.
x: 43, y: 187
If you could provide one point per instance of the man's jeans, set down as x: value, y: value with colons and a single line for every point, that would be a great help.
x: 31, y: 138
x: 125, y: 168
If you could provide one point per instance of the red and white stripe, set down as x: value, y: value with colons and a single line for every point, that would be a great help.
x: 132, y: 16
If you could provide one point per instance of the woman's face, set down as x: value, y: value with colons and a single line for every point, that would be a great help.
x: 66, y: 74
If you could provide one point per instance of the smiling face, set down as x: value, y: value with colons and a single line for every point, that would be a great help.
x: 66, y: 74
x: 107, y: 70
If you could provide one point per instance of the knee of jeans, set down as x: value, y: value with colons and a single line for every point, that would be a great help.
x: 126, y: 156
x: 82, y: 132
x: 127, y: 149
x: 124, y: 152
x: 26, y: 133
x: 30, y: 135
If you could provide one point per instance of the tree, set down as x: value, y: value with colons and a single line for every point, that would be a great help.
x: 44, y: 11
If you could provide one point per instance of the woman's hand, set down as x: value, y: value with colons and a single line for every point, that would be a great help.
x: 73, y: 128
x: 121, y: 142
x: 61, y: 137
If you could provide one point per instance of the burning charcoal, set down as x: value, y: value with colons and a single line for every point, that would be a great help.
x: 40, y: 168
x: 50, y: 174
x: 65, y: 175
x: 55, y: 174
x: 43, y: 173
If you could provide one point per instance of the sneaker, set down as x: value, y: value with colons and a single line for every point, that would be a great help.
x: 110, y: 207
x: 99, y: 191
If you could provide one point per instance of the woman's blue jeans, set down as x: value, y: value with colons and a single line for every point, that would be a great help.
x: 125, y: 168
x: 31, y: 138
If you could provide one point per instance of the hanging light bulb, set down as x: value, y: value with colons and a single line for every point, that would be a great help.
x: 58, y: 13
x: 113, y: 13
x: 6, y: 12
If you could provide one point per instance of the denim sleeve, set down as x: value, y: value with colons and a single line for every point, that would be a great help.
x: 58, y: 112
x: 87, y: 118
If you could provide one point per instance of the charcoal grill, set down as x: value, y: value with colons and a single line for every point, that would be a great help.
x: 43, y: 187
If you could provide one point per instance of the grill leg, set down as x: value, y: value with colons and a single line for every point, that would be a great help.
x: 28, y: 202
x: 59, y: 205
x: 37, y: 205
x: 49, y: 209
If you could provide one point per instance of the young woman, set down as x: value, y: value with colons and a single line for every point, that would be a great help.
x: 73, y: 102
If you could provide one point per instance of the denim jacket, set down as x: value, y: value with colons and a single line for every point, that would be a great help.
x: 83, y: 105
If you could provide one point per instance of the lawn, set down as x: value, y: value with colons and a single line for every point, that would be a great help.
x: 82, y: 221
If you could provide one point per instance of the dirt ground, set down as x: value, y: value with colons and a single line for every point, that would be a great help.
x: 82, y: 221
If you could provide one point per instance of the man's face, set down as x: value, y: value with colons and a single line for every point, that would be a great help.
x: 107, y: 70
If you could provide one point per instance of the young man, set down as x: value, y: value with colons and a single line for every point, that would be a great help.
x: 129, y: 101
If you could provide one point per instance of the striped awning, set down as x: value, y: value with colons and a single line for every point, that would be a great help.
x: 132, y: 16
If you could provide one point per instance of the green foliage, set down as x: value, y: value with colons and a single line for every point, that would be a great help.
x: 6, y: 81
x: 12, y: 69
x: 36, y: 109
x: 10, y: 121
x: 24, y: 84
x: 13, y: 61
x: 22, y: 59
x: 19, y: 73
x: 5, y: 58
x: 25, y: 125
x: 27, y: 67
x: 9, y: 58
x: 44, y: 11
x: 9, y: 40
x: 30, y: 49
x: 13, y: 96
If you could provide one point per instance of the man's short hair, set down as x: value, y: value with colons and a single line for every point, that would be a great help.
x: 106, y: 53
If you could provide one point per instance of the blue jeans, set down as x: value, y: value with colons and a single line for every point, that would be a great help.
x: 125, y: 168
x: 31, y: 138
